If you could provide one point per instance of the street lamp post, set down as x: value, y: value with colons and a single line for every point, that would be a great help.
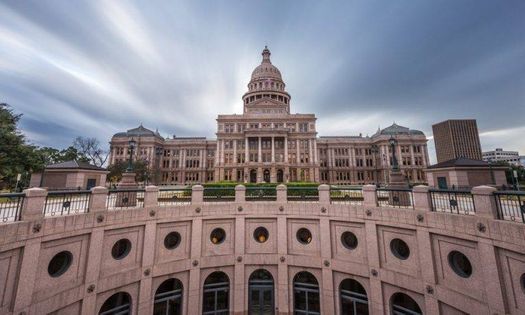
x: 131, y: 143
x: 393, y: 143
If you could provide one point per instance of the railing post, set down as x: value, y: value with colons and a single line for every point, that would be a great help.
x: 197, y: 194
x: 240, y: 193
x: 151, y: 196
x: 484, y: 202
x: 369, y: 196
x: 99, y: 197
x: 422, y: 198
x: 34, y: 203
x: 324, y: 194
x: 281, y: 193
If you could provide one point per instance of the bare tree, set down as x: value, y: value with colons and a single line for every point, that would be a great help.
x: 90, y: 147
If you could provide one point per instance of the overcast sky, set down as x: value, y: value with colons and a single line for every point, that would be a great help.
x: 95, y: 68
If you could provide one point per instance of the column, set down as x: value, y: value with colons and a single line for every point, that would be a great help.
x: 273, y: 149
x: 298, y: 157
x: 285, y: 149
x: 246, y: 153
x: 222, y: 152
x: 310, y: 152
x: 259, y: 155
x: 315, y: 151
x: 234, y: 151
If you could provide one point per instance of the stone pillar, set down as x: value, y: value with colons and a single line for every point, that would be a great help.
x: 151, y: 196
x: 369, y: 196
x: 197, y: 194
x: 99, y: 196
x: 485, y: 202
x: 34, y: 203
x: 273, y: 149
x: 27, y: 274
x: 316, y: 158
x: 240, y: 193
x: 324, y: 194
x: 222, y: 152
x: 238, y: 284
x: 281, y: 193
x: 259, y: 152
x: 422, y: 200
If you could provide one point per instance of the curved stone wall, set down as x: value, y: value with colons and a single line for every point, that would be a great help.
x: 494, y: 248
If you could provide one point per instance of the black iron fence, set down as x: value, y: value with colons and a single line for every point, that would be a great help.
x: 302, y: 194
x: 11, y: 206
x: 67, y: 202
x: 510, y: 205
x: 125, y: 199
x: 395, y: 197
x: 174, y: 197
x: 261, y: 194
x: 453, y: 201
x: 219, y: 194
x: 346, y: 195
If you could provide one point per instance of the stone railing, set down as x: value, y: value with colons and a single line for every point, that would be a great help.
x: 483, y: 201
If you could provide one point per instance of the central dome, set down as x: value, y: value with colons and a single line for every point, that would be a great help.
x: 266, y: 69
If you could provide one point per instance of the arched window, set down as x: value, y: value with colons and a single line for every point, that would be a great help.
x: 261, y: 293
x: 168, y: 298
x: 403, y: 304
x: 215, y: 299
x: 117, y: 304
x: 353, y: 298
x: 306, y: 294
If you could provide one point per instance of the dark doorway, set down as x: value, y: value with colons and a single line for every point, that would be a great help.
x: 215, y: 300
x: 168, y: 298
x: 266, y: 175
x: 280, y: 176
x: 442, y: 183
x: 253, y: 176
x: 306, y: 294
x: 261, y: 293
x: 91, y: 182
x: 353, y: 298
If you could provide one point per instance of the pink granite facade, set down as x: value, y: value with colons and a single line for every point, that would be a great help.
x: 269, y: 143
x: 494, y: 249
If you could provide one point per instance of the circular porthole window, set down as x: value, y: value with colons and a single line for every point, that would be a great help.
x: 172, y: 240
x: 217, y: 236
x: 121, y: 249
x: 59, y: 264
x: 460, y: 264
x: 304, y: 236
x: 260, y: 234
x: 349, y: 240
x: 399, y: 248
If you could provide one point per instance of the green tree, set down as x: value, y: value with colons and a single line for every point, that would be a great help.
x: 16, y: 156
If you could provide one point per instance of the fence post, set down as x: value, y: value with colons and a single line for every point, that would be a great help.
x: 324, y: 194
x: 197, y: 194
x: 99, y: 196
x: 281, y: 193
x: 369, y: 196
x: 151, y: 196
x: 484, y: 201
x: 240, y: 193
x: 34, y: 203
x: 422, y: 198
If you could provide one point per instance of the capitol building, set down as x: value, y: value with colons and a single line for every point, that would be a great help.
x: 267, y: 143
x: 265, y: 249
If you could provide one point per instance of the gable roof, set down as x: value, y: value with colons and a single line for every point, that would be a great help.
x: 460, y: 162
x: 73, y: 164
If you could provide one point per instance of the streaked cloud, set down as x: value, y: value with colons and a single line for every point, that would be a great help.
x: 98, y: 67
